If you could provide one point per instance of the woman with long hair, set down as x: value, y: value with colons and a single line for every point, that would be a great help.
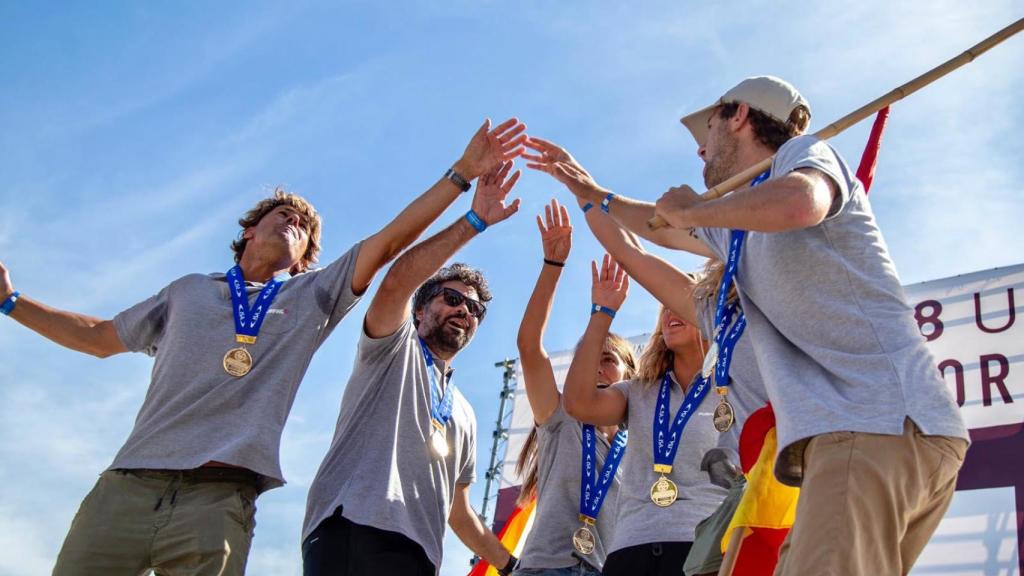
x: 738, y: 387
x: 663, y: 493
x: 562, y: 458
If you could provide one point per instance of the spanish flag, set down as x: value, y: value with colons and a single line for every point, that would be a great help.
x: 768, y: 507
x: 512, y: 535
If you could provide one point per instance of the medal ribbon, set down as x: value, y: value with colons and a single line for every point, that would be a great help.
x: 666, y: 439
x: 593, y: 486
x: 726, y: 340
x: 440, y: 408
x: 248, y: 320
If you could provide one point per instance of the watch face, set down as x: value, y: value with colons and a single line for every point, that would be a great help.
x: 457, y: 179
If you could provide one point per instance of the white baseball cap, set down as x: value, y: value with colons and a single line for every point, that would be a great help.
x: 768, y: 94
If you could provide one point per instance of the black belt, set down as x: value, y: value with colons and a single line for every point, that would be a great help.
x: 197, y: 475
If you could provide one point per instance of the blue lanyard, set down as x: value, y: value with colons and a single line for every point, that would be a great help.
x: 666, y: 439
x: 248, y: 320
x: 725, y: 340
x: 593, y: 486
x: 440, y: 409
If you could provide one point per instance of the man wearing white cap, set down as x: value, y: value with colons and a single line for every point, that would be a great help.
x: 866, y: 425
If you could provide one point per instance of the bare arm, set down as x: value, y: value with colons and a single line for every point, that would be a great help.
x: 78, y: 332
x: 631, y: 214
x: 668, y: 284
x: 800, y: 199
x: 583, y: 399
x: 472, y: 532
x: 390, y: 305
x: 486, y: 150
x: 538, y: 376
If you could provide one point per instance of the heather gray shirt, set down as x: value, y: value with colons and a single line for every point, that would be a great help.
x: 560, y: 450
x: 638, y: 519
x: 194, y: 411
x: 379, y: 467
x: 834, y: 337
x: 746, y: 390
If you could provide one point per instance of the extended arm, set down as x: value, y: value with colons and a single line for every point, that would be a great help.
x: 486, y: 150
x: 631, y: 214
x: 78, y: 332
x: 538, y: 376
x: 391, y: 303
x: 668, y: 284
x: 800, y: 199
x: 472, y: 532
x: 583, y: 399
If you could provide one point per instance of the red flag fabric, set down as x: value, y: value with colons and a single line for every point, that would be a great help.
x: 512, y: 535
x: 868, y: 160
x: 768, y: 508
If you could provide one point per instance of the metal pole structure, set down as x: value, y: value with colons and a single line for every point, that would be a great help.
x: 508, y: 392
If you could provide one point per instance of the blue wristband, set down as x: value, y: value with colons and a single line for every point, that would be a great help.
x: 475, y: 221
x: 8, y: 306
x: 587, y: 207
x: 595, y: 308
x: 607, y: 200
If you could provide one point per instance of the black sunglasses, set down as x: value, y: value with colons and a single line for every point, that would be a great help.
x: 454, y: 298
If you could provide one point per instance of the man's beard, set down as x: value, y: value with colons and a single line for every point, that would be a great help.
x: 446, y: 337
x: 723, y: 165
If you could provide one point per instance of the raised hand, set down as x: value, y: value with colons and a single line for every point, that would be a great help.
x: 555, y: 232
x: 488, y: 149
x: 610, y: 283
x: 492, y: 191
x: 557, y: 162
x: 6, y: 289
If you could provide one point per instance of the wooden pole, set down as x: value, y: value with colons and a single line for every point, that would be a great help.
x: 863, y: 112
x: 732, y: 551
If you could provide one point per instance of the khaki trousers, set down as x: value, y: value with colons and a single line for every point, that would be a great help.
x: 869, y: 502
x: 134, y: 521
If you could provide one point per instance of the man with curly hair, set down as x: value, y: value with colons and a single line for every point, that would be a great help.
x: 404, y: 449
x: 230, y: 351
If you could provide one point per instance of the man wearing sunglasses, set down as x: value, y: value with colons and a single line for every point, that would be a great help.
x: 180, y: 495
x: 404, y: 450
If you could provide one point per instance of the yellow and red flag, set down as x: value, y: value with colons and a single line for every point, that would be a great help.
x: 512, y: 535
x: 768, y: 507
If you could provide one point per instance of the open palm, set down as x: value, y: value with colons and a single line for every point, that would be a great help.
x: 555, y: 232
x: 491, y: 192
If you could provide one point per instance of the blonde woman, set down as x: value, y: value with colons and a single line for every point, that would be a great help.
x: 563, y: 458
x: 663, y: 493
x: 738, y: 384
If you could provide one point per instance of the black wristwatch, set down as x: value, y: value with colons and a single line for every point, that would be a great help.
x: 457, y: 179
x: 510, y: 566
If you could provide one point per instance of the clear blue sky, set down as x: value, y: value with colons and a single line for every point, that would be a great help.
x: 135, y: 134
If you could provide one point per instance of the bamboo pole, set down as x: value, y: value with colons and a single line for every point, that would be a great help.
x: 863, y: 112
x: 732, y: 552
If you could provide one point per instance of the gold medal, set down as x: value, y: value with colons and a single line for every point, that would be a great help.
x: 583, y: 540
x: 724, y: 413
x: 664, y: 492
x: 710, y: 360
x: 438, y: 441
x: 237, y: 362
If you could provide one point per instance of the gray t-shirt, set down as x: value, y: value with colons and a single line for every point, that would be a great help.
x: 834, y: 337
x: 379, y: 467
x: 746, y: 391
x: 638, y: 519
x: 549, y: 544
x: 194, y: 411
